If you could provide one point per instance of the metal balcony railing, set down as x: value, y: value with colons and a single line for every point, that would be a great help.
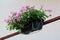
x: 16, y: 33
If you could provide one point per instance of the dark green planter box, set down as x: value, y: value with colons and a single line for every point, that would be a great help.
x: 33, y: 26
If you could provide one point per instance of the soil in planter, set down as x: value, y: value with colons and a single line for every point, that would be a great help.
x: 33, y: 26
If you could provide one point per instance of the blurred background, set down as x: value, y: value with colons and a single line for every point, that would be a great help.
x: 49, y: 32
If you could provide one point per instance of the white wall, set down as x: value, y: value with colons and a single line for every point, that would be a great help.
x: 49, y: 32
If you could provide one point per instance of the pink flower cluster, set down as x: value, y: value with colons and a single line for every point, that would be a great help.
x: 15, y: 15
x: 25, y: 8
x: 8, y: 20
x: 19, y: 13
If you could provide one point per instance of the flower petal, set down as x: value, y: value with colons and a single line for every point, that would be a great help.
x: 49, y: 10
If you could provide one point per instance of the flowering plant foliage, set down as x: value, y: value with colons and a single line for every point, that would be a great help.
x: 23, y: 17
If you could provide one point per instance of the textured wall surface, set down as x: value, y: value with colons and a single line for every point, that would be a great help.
x: 49, y: 32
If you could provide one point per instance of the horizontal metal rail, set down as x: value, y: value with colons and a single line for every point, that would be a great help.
x: 16, y: 33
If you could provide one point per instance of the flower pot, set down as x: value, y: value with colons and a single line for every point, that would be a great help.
x: 33, y: 26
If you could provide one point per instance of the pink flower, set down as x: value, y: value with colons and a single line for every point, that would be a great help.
x: 8, y: 20
x: 19, y: 13
x: 17, y: 19
x: 26, y: 7
x: 13, y: 12
x: 21, y: 10
x: 49, y: 10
